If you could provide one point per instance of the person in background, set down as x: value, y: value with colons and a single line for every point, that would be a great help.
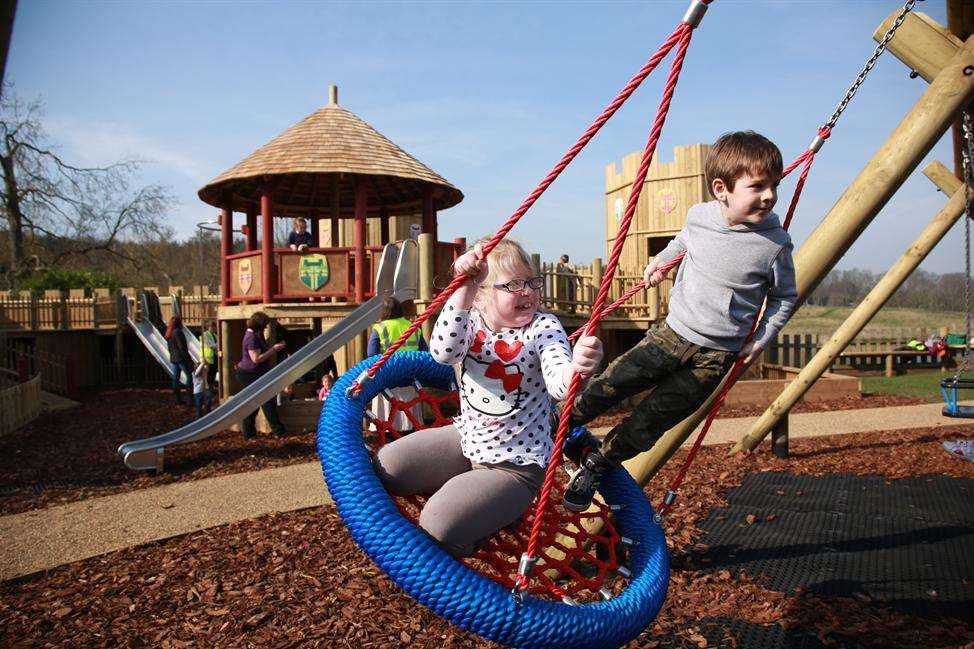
x: 392, y: 324
x: 209, y: 352
x: 178, y: 356
x: 326, y: 383
x: 300, y: 239
x: 253, y: 364
x: 567, y: 283
x: 202, y: 397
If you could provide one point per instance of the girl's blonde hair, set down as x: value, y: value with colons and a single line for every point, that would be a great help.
x: 507, y: 258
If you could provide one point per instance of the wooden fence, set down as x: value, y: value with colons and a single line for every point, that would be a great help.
x: 20, y: 403
x: 796, y: 349
x: 63, y: 310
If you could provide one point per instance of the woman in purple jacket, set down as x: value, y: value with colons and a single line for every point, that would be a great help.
x: 253, y: 364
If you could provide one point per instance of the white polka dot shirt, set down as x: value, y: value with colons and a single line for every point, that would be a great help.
x: 507, y: 379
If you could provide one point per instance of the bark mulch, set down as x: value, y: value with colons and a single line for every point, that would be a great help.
x: 70, y: 455
x: 866, y: 400
x: 297, y: 579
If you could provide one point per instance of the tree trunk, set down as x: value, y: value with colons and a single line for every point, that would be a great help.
x: 15, y: 221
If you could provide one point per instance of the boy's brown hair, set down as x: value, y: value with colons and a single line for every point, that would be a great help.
x: 742, y: 152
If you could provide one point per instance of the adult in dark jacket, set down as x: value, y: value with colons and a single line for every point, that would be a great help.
x: 179, y: 356
x: 254, y: 363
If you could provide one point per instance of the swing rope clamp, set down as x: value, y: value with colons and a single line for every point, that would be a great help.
x: 695, y: 12
x: 524, y: 569
x: 357, y: 385
x: 668, y: 501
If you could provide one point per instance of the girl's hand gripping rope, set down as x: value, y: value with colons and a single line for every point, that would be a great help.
x: 473, y: 264
x: 586, y: 358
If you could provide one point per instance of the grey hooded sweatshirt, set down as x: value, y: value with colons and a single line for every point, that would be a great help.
x: 724, y: 277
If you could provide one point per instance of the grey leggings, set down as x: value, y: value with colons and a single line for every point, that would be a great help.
x: 470, y: 501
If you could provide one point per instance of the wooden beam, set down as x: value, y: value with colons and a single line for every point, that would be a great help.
x: 960, y: 22
x: 920, y: 129
x: 865, y: 311
x: 922, y: 43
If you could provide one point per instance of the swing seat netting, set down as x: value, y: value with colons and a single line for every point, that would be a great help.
x: 476, y: 594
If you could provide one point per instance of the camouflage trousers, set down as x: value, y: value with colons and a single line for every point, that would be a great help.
x: 679, y: 375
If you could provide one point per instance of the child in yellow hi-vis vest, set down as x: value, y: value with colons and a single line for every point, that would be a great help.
x: 392, y: 324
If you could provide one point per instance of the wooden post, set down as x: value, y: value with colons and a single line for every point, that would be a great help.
x: 226, y: 360
x: 779, y: 438
x: 868, y: 308
x: 120, y: 334
x: 251, y: 243
x: 226, y: 248
x: 266, y: 245
x: 361, y: 207
x: 313, y: 224
x: 384, y: 226
x: 889, y: 365
x: 429, y: 213
x: 922, y: 127
x: 32, y: 315
x: 63, y: 315
x: 426, y: 272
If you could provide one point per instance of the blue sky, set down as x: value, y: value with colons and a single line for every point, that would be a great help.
x: 489, y: 95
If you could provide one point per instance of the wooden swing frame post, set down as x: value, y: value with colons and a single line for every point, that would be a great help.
x: 867, y: 308
x: 920, y: 41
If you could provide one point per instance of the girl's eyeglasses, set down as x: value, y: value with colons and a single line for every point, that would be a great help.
x: 518, y: 285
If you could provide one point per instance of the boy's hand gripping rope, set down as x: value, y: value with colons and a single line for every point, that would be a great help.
x: 529, y: 558
x: 691, y: 19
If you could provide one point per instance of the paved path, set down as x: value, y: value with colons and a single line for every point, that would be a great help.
x: 45, y: 538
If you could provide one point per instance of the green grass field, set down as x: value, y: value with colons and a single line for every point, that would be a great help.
x: 825, y: 319
x: 924, y: 384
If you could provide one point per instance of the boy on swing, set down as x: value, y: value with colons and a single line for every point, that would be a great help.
x: 736, y: 253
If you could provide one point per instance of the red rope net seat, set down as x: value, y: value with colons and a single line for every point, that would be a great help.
x: 575, y: 566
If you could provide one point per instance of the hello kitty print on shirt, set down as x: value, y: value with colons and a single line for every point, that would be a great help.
x: 507, y: 379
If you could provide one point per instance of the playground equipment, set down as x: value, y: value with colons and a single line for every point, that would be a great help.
x: 950, y: 91
x: 148, y: 331
x: 396, y: 277
x: 532, y: 622
x: 195, y: 349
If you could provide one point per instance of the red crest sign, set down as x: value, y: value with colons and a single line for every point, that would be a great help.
x: 666, y: 200
x: 245, y: 275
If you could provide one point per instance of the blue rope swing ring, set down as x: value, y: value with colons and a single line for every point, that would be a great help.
x: 450, y: 588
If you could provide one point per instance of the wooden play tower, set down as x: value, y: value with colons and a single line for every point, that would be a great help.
x: 357, y: 189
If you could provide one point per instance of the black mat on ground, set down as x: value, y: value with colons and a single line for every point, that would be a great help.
x: 731, y: 633
x: 907, y: 542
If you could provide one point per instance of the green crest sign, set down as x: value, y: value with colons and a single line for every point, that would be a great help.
x: 313, y: 271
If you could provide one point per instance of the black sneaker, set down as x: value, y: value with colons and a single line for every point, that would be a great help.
x: 585, y: 482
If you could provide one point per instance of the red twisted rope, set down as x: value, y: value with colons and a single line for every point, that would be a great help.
x: 805, y: 159
x: 686, y: 34
x: 589, y: 133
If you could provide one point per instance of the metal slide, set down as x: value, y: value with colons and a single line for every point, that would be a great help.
x: 149, y: 335
x: 396, y: 276
x: 192, y: 342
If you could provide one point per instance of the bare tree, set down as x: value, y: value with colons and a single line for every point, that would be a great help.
x: 54, y: 210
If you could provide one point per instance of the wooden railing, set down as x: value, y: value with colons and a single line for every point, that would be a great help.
x: 573, y: 289
x: 57, y: 374
x: 866, y: 352
x: 67, y: 310
x: 20, y: 402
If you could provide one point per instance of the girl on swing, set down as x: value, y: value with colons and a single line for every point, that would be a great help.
x: 485, y: 469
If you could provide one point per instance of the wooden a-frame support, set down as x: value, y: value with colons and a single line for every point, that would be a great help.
x: 867, y: 308
x: 948, y: 64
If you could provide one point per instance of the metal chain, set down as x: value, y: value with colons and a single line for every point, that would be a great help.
x: 851, y: 92
x: 967, y: 156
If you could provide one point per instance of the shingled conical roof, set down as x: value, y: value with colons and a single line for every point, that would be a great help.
x: 320, y: 157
